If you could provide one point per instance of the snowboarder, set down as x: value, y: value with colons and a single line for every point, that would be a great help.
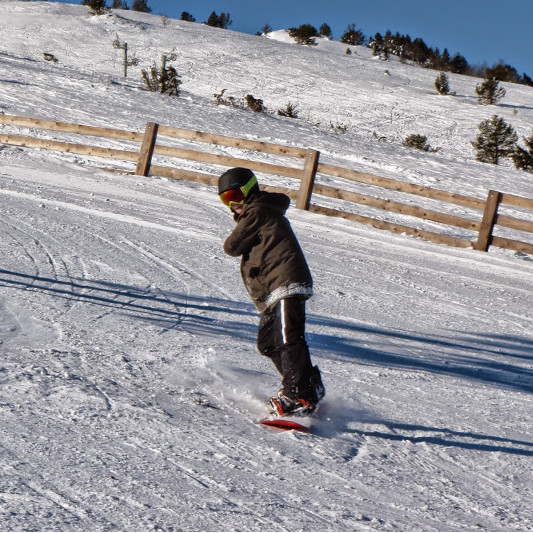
x: 277, y: 278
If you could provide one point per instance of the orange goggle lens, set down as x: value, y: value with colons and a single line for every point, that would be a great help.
x: 232, y: 196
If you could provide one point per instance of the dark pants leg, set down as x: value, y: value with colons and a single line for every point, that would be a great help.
x: 281, y: 336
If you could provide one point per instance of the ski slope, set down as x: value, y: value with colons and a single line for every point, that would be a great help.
x: 130, y: 383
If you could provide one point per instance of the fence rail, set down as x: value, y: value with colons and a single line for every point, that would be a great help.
x: 302, y: 165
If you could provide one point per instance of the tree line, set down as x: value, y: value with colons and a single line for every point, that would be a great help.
x: 408, y: 49
x: 99, y: 7
x: 383, y: 46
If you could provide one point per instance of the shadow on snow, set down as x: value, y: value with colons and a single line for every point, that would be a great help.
x: 489, y: 359
x: 492, y: 359
x: 416, y: 433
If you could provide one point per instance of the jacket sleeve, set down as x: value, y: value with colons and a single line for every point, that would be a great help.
x: 245, y: 235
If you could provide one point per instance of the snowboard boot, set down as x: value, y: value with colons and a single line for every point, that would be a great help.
x: 282, y: 405
x: 288, y: 404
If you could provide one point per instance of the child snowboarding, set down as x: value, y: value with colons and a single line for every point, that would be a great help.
x: 276, y: 275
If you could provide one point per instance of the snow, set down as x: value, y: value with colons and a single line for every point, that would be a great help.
x: 131, y: 386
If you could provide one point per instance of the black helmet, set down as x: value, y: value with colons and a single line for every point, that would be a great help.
x: 238, y: 178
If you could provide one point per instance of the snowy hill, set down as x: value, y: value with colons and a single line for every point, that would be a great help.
x: 131, y: 386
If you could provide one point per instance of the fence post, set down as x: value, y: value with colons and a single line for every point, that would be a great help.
x: 147, y: 149
x: 488, y: 221
x: 308, y: 179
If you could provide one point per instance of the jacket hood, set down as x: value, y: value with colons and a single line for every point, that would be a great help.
x: 272, y: 200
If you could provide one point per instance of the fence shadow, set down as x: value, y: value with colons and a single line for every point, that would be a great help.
x: 448, y: 438
x: 360, y: 422
x: 165, y: 309
x: 498, y: 360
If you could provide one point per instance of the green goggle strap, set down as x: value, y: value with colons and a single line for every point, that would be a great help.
x: 248, y: 186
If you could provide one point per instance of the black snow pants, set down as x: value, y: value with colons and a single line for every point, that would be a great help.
x: 281, y: 337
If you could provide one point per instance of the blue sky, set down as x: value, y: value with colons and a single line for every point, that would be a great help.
x: 483, y: 31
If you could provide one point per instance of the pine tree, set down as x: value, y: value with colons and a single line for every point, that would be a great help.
x: 224, y: 20
x: 502, y: 72
x: 489, y: 92
x: 98, y: 7
x: 119, y: 4
x: 325, y: 31
x: 290, y: 111
x: 526, y: 80
x: 353, y: 36
x: 212, y: 20
x: 496, y: 140
x: 442, y: 84
x: 187, y: 17
x: 459, y: 65
x: 376, y: 44
x: 420, y: 51
x: 379, y: 46
x: 419, y: 142
x: 165, y: 80
x: 141, y: 5
x: 445, y: 59
x: 219, y: 21
x: 523, y: 159
x: 304, y: 34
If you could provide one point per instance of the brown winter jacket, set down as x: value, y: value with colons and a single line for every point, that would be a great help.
x: 273, y: 265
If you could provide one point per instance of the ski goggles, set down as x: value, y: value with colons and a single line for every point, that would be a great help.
x: 237, y: 196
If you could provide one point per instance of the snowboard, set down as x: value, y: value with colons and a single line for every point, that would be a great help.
x: 303, y: 424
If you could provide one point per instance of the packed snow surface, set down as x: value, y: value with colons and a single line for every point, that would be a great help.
x: 130, y: 383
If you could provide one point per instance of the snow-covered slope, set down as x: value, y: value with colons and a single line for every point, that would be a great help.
x: 130, y: 384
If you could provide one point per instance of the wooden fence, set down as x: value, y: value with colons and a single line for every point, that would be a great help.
x: 302, y: 165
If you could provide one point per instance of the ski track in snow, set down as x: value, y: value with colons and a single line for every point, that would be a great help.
x: 130, y: 384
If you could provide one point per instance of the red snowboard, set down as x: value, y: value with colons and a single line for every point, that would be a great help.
x: 285, y: 423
